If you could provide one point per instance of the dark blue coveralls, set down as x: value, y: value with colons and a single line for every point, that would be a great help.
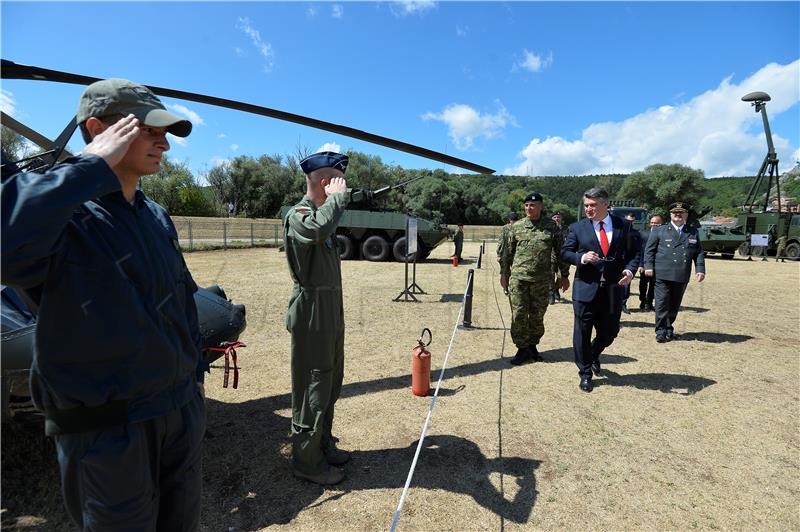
x: 117, y: 344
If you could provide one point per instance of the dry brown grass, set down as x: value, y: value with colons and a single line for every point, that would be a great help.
x: 698, y: 433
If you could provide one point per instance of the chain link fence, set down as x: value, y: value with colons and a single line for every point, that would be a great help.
x: 195, y: 233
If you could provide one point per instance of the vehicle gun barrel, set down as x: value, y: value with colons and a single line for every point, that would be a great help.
x: 364, y: 195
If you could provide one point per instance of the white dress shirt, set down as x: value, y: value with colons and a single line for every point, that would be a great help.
x: 608, y: 227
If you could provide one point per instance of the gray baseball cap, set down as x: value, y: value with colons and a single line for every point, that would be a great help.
x: 120, y: 96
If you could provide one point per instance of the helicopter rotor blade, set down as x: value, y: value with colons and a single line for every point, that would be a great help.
x: 12, y: 70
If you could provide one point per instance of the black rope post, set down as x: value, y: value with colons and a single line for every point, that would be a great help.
x: 468, y: 302
x: 480, y: 254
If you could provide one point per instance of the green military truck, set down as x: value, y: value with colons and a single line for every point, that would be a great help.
x: 775, y: 225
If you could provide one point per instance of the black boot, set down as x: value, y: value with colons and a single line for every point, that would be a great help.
x: 533, y: 353
x: 521, y: 357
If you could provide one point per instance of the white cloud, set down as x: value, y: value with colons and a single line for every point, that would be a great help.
x: 180, y: 141
x: 330, y: 146
x: 221, y: 135
x: 239, y: 52
x: 465, y: 124
x: 193, y: 117
x: 462, y: 31
x: 533, y: 62
x: 219, y: 161
x: 7, y: 103
x: 264, y: 48
x: 715, y: 132
x: 337, y: 11
x: 311, y: 11
x: 234, y: 147
x: 411, y: 7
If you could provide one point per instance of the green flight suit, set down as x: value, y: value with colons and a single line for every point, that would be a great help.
x: 315, y: 319
x: 531, y: 256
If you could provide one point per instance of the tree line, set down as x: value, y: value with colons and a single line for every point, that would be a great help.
x: 257, y: 187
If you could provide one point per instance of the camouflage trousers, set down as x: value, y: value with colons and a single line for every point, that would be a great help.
x: 529, y: 301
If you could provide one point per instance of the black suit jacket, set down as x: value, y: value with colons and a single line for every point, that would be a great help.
x: 624, y: 249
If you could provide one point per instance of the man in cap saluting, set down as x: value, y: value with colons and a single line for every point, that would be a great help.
x: 315, y: 317
x: 669, y: 254
x: 117, y: 349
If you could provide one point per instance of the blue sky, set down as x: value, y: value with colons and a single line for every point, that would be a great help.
x: 526, y: 88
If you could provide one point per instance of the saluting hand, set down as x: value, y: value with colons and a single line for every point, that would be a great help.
x: 337, y: 184
x: 112, y: 144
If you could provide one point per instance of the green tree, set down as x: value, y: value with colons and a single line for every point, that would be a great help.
x: 658, y: 185
x: 175, y: 189
x: 13, y: 144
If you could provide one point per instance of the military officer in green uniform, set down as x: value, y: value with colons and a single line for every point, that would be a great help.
x: 458, y: 240
x: 315, y: 317
x: 530, y: 258
x: 669, y: 254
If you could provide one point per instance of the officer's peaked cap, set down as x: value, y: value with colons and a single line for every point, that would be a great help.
x: 533, y: 197
x: 678, y: 206
x: 324, y: 159
x: 116, y: 96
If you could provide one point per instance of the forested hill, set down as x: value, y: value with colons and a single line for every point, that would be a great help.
x: 258, y: 187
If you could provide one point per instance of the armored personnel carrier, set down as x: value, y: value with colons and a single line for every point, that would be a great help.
x: 368, y: 232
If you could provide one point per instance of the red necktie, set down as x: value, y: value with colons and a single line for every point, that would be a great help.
x: 603, y: 239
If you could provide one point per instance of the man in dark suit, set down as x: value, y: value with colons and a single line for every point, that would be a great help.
x: 669, y: 254
x: 605, y: 250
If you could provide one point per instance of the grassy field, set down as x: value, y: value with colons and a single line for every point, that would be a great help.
x: 698, y: 433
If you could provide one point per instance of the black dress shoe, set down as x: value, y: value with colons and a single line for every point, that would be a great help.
x: 642, y: 306
x: 625, y: 308
x: 521, y: 357
x: 596, y: 368
x: 650, y: 308
x: 586, y: 384
x: 661, y: 338
x: 533, y: 354
x: 671, y: 336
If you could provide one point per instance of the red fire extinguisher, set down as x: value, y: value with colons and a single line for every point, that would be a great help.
x: 421, y: 366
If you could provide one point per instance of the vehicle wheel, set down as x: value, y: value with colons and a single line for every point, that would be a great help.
x: 744, y: 249
x: 399, y: 250
x: 346, y: 247
x: 375, y: 248
x: 793, y: 251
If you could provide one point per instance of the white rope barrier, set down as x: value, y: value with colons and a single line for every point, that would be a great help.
x: 428, y: 418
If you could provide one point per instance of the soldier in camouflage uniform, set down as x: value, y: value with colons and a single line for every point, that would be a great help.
x: 530, y: 258
x: 315, y: 317
x: 781, y: 251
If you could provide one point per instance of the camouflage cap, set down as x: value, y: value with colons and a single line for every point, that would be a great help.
x: 120, y: 96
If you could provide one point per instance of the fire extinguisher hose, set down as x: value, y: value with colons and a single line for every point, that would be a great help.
x: 430, y: 413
